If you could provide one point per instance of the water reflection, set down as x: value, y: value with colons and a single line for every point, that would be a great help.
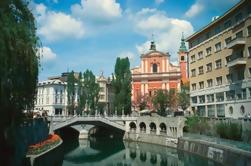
x: 109, y: 152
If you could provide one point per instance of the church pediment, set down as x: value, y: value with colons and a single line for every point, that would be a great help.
x: 154, y: 54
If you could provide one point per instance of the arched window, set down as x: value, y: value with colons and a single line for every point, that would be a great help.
x: 162, y: 128
x: 152, y: 127
x: 142, y: 126
x: 132, y: 126
x: 242, y: 110
x: 231, y: 110
x: 155, y: 68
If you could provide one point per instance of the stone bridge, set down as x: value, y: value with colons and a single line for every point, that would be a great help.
x: 154, y: 125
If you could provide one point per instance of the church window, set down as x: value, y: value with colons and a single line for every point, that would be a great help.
x: 182, y: 58
x: 155, y: 68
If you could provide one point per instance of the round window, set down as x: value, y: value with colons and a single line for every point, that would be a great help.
x: 231, y: 110
x: 242, y: 110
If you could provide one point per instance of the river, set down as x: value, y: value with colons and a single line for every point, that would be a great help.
x: 112, y: 152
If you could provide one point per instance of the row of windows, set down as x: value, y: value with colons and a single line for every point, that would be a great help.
x: 218, y: 65
x: 220, y: 97
x: 218, y: 110
x: 209, y: 83
x: 218, y: 46
x: 217, y: 29
x: 229, y: 79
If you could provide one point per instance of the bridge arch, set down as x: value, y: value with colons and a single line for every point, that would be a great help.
x: 142, y: 127
x: 163, y: 128
x: 153, y: 128
x: 132, y: 126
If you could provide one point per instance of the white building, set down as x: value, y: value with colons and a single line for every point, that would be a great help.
x: 52, y: 95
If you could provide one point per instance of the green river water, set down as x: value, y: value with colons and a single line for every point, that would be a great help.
x: 112, y: 152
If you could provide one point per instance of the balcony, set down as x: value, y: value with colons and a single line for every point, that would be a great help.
x: 240, y: 41
x: 237, y: 62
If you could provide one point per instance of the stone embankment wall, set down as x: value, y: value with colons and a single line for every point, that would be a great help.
x: 219, y: 153
x: 152, y: 138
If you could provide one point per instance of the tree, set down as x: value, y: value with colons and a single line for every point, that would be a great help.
x: 19, y: 63
x: 172, y: 99
x: 71, y: 92
x: 161, y: 101
x: 122, y: 85
x: 82, y: 95
x: 183, y: 97
x: 91, y: 88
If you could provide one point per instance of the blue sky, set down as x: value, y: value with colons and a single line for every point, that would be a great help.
x: 90, y: 34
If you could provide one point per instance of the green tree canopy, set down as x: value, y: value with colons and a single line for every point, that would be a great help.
x: 19, y: 63
x: 91, y: 88
x: 161, y: 101
x: 122, y: 85
x: 71, y: 92
x: 183, y: 96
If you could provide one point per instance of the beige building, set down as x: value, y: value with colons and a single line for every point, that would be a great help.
x: 220, y: 65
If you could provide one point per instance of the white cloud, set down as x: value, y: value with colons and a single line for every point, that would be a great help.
x: 97, y: 10
x: 159, y: 1
x: 57, y: 25
x: 167, y: 31
x: 128, y: 54
x: 46, y: 54
x: 194, y: 10
x: 202, y: 5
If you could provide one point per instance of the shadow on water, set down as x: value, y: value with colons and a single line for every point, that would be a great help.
x: 94, y: 150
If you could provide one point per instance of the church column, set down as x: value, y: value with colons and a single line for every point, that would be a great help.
x: 167, y: 65
x: 163, y: 65
x: 146, y: 71
x: 167, y: 85
x: 163, y: 85
x: 133, y: 97
x: 146, y: 88
x: 142, y: 66
x: 178, y: 86
x: 142, y: 89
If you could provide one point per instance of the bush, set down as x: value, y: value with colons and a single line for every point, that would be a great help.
x: 196, y: 124
x: 230, y: 130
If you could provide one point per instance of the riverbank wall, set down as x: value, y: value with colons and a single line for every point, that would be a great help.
x: 225, y: 155
x: 152, y: 138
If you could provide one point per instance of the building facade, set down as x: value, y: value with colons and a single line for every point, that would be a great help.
x: 220, y: 65
x: 52, y: 97
x: 106, y: 94
x: 157, y: 72
x: 52, y: 94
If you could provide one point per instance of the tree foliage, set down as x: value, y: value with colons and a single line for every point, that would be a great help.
x: 19, y: 63
x: 71, y: 92
x: 161, y: 101
x: 183, y: 96
x: 172, y: 99
x: 122, y: 85
x: 91, y: 88
x: 196, y: 124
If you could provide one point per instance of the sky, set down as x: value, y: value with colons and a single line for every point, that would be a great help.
x: 90, y: 34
